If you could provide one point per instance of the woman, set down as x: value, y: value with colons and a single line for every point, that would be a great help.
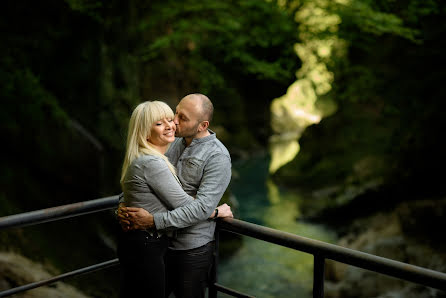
x: 148, y: 181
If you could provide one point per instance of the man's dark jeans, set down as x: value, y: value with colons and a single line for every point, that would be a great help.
x: 188, y: 271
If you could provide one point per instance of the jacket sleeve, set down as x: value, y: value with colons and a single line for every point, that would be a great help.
x: 215, y: 180
x: 165, y: 185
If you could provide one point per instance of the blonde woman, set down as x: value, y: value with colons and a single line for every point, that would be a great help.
x: 148, y: 181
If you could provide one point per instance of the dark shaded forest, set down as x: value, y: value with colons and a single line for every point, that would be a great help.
x: 72, y: 71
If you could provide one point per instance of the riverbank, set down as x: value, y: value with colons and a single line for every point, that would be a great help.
x: 17, y: 270
x: 411, y: 233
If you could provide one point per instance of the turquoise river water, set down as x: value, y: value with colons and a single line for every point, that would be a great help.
x: 259, y: 268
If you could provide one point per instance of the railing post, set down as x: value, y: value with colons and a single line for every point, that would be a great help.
x: 318, y: 276
x: 213, y: 275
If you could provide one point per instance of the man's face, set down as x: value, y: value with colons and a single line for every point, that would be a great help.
x: 186, y: 119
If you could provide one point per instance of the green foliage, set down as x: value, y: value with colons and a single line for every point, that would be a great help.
x: 88, y: 7
x: 390, y: 108
x: 225, y: 50
x: 223, y: 33
x: 369, y: 17
x: 38, y: 104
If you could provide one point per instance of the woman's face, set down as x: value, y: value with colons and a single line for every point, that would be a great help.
x: 162, y: 132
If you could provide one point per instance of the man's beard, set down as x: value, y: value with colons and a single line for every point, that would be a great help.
x: 190, y: 133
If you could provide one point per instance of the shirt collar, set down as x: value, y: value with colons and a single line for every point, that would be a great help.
x: 197, y: 141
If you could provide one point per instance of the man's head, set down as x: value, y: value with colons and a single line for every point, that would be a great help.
x: 193, y: 115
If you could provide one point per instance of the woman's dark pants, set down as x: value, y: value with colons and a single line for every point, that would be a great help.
x: 142, y: 264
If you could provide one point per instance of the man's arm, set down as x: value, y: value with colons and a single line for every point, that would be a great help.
x: 215, y: 180
x: 133, y: 218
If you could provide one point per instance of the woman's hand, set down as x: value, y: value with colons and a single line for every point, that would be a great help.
x: 122, y: 216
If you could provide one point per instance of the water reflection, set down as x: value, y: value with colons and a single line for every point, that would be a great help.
x: 263, y: 269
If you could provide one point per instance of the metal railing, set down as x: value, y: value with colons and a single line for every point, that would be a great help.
x: 53, y: 214
x: 320, y: 250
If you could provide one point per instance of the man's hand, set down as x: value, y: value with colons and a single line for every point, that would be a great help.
x: 132, y: 218
x: 224, y: 211
x: 140, y: 218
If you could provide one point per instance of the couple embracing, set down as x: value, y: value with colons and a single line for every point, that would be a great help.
x: 174, y: 174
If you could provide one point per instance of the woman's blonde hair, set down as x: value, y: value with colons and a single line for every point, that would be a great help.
x: 140, y: 126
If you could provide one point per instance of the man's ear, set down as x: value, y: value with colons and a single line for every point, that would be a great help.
x: 203, y: 126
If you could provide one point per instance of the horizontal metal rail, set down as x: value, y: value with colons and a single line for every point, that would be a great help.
x: 58, y: 213
x: 319, y: 249
x: 231, y: 292
x: 51, y: 280
x: 322, y: 250
x: 53, y: 214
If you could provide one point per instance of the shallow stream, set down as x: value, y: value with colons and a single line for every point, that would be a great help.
x: 259, y: 268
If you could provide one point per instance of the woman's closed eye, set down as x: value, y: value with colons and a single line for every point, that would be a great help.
x: 158, y: 123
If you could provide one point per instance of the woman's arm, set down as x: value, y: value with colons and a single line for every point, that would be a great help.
x: 164, y: 184
x: 214, y: 182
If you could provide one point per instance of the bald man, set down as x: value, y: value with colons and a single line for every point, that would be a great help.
x: 204, y: 168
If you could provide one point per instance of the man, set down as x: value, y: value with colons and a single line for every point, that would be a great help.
x: 204, y: 168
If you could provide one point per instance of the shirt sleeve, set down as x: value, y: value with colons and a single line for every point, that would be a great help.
x: 164, y: 184
x: 216, y: 178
